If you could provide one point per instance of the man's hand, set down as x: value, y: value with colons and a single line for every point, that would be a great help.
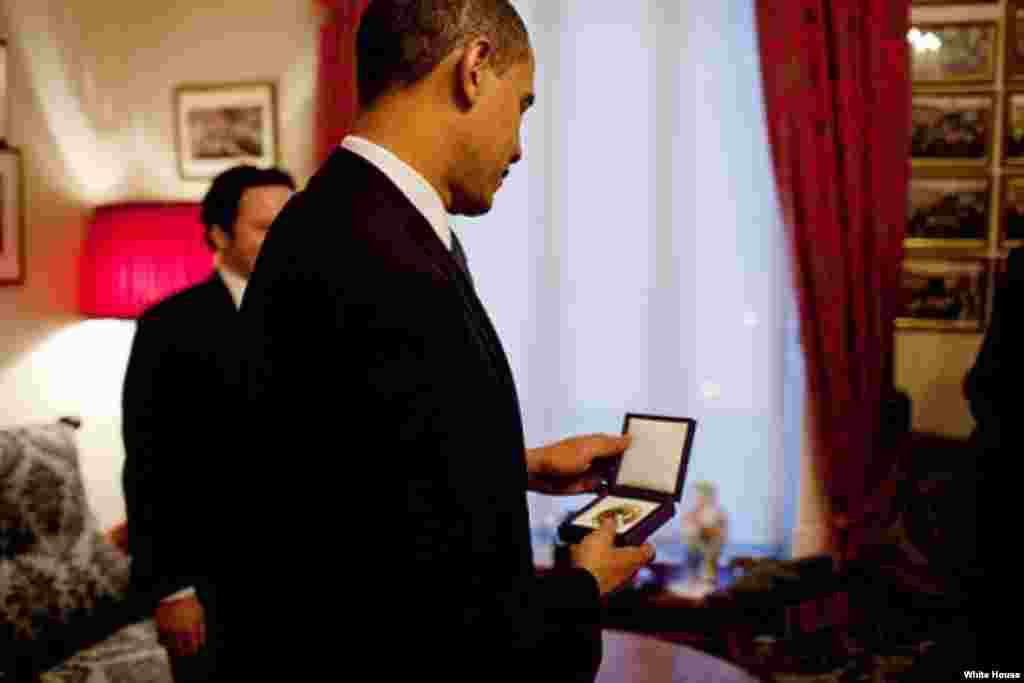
x: 182, y: 625
x: 567, y: 467
x: 612, y: 567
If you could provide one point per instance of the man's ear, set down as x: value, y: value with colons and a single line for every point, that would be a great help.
x: 472, y: 71
x: 220, y: 239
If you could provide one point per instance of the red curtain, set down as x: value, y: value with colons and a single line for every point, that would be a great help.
x: 837, y: 100
x: 337, y: 101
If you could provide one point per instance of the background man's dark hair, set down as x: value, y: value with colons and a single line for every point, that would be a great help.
x: 220, y: 205
x: 401, y: 41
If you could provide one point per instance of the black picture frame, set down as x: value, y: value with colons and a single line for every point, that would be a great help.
x: 4, y: 104
x: 12, y: 217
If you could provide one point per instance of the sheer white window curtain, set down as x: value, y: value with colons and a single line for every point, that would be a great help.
x: 634, y: 260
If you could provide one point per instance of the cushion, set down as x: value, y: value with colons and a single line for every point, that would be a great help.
x: 61, y: 580
x: 131, y: 655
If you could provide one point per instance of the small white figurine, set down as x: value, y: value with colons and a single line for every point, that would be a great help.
x: 704, y: 531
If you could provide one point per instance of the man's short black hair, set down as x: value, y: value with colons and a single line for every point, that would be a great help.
x: 220, y: 205
x: 401, y: 41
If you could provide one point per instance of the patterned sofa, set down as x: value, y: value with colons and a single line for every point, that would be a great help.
x: 65, y: 613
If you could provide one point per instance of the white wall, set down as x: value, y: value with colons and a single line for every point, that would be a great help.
x: 91, y: 109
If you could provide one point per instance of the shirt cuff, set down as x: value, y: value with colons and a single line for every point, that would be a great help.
x: 183, y: 593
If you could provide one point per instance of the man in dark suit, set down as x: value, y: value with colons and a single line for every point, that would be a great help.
x: 396, y: 527
x: 173, y: 408
x: 993, y: 388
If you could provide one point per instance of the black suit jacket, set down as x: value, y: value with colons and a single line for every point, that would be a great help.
x: 990, y: 482
x: 174, y: 407
x: 391, y: 500
x: 994, y: 382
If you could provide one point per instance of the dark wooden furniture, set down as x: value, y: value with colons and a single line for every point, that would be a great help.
x: 650, y: 607
x: 909, y: 584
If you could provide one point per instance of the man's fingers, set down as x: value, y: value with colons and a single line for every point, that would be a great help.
x: 588, y: 483
x: 185, y: 643
x: 641, y: 554
x: 607, y: 444
x: 647, y: 553
x: 608, y: 529
x: 179, y: 644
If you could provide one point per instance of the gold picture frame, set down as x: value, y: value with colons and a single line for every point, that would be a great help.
x: 1011, y: 212
x: 1013, y: 128
x: 943, y: 294
x: 953, y: 53
x: 952, y: 129
x: 1001, y: 272
x: 1014, y: 49
x: 951, y: 210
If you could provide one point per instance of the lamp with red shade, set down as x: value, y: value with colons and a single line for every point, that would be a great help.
x: 138, y: 253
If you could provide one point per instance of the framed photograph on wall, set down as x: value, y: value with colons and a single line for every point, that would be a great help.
x: 953, y: 53
x: 1011, y: 224
x: 951, y: 211
x: 12, y: 232
x: 951, y: 129
x: 1013, y: 128
x: 943, y: 294
x: 1015, y: 40
x: 1002, y: 273
x: 220, y: 126
x: 3, y: 92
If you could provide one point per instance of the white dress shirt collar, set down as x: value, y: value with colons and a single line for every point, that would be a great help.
x: 235, y: 284
x: 413, y: 185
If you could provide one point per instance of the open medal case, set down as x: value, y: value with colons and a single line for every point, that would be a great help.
x: 645, y: 482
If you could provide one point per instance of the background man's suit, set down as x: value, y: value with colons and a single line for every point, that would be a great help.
x: 993, y: 388
x: 993, y: 385
x: 393, y: 479
x: 174, y: 409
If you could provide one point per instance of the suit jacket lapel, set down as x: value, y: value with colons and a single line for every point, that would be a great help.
x: 218, y: 291
x: 423, y: 235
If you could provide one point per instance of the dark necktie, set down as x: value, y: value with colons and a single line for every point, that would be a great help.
x: 460, y: 257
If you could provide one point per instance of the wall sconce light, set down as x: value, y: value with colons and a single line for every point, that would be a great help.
x: 924, y: 42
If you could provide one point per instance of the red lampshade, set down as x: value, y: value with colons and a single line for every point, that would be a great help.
x: 139, y: 253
